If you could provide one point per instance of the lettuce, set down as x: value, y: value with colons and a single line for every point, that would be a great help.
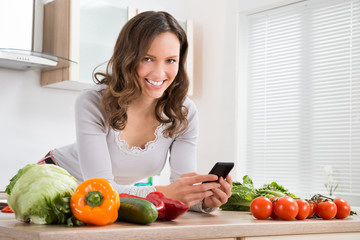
x: 41, y: 194
x: 273, y: 190
x: 242, y: 194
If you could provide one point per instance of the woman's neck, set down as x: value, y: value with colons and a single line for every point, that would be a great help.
x: 143, y: 106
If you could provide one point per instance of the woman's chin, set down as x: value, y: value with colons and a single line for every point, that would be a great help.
x: 154, y: 95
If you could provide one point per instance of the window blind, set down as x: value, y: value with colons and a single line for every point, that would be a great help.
x: 303, y: 120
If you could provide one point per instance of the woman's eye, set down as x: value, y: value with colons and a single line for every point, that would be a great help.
x: 147, y: 59
x: 171, y: 60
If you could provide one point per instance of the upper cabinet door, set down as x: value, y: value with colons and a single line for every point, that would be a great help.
x: 83, y: 31
x: 100, y: 25
x: 16, y: 24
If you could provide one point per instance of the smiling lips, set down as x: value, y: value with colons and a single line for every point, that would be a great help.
x: 154, y: 82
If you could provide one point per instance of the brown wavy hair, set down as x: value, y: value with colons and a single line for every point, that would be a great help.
x: 121, y: 78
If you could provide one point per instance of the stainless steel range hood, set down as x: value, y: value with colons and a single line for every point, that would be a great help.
x: 25, y: 59
x: 21, y: 37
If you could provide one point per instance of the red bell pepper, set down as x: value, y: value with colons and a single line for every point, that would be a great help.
x: 160, y: 205
x: 174, y: 208
x: 7, y: 209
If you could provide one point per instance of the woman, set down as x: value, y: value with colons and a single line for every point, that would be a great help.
x: 138, y: 114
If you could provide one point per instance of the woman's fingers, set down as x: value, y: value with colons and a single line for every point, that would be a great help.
x: 194, y: 178
x: 197, y: 189
x: 226, y: 185
x: 221, y: 194
x: 194, y: 198
x: 191, y: 188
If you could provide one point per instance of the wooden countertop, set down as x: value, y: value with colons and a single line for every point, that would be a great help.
x: 220, y: 224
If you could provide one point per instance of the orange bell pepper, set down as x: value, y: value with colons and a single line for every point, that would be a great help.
x: 95, y: 202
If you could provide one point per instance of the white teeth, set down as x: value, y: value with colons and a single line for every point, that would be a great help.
x: 153, y: 82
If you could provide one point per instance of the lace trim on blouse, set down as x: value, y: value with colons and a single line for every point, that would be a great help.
x: 124, y: 146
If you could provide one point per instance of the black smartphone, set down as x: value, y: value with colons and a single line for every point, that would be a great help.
x: 222, y: 169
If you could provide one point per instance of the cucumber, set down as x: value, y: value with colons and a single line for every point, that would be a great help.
x: 137, y: 210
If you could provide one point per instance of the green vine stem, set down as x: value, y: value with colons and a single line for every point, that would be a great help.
x: 323, y: 198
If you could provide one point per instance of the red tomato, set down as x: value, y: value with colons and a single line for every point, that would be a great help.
x: 304, y: 209
x: 286, y: 208
x: 273, y: 200
x: 343, y: 208
x: 317, y: 203
x: 7, y: 209
x: 326, y: 210
x: 261, y: 208
x: 313, y: 208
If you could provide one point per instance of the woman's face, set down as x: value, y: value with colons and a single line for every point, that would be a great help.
x: 159, y: 67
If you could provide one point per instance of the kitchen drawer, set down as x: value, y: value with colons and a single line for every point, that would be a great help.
x: 328, y: 236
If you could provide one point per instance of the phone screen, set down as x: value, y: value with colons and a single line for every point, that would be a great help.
x: 222, y: 169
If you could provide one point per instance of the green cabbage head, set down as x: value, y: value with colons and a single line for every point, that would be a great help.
x: 41, y: 194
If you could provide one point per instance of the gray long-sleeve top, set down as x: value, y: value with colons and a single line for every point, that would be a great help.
x: 99, y: 151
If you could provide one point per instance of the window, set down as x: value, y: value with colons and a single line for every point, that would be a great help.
x: 303, y: 97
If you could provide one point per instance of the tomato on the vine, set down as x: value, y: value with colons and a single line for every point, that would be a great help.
x: 343, y: 208
x: 273, y: 200
x: 313, y: 208
x: 286, y: 208
x: 304, y: 209
x: 261, y: 208
x: 326, y: 210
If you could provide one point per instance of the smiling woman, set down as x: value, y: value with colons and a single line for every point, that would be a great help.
x: 158, y: 69
x: 138, y: 114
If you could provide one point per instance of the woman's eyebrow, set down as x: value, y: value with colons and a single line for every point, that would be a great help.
x: 152, y: 56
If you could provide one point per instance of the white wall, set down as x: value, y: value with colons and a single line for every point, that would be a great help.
x: 35, y: 119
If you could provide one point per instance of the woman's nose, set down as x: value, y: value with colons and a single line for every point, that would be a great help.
x: 159, y: 71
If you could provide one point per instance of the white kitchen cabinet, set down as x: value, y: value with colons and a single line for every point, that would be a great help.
x: 16, y: 24
x: 84, y: 31
x: 327, y: 236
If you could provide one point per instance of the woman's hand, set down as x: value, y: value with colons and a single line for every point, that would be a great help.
x: 190, y: 189
x: 220, y: 195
